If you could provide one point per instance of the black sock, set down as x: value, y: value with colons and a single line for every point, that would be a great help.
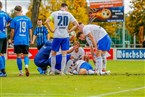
x: 3, y: 71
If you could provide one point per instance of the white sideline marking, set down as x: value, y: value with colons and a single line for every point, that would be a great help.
x: 32, y: 94
x: 112, y: 93
x: 43, y: 95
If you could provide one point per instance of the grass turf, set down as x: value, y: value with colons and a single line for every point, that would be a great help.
x: 127, y: 79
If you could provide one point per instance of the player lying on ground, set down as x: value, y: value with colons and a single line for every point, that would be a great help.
x: 42, y: 60
x: 82, y: 67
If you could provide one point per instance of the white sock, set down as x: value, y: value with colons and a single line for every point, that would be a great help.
x: 90, y: 72
x: 63, y: 63
x: 99, y: 64
x: 21, y: 72
x: 57, y: 71
x: 104, y: 61
x: 26, y: 66
x: 53, y: 63
x: 75, y: 72
x: 69, y: 63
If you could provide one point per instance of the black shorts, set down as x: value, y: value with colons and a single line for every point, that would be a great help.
x: 3, y: 45
x: 39, y: 46
x: 21, y: 49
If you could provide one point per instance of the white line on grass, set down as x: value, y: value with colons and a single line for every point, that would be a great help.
x: 32, y: 94
x: 113, y: 93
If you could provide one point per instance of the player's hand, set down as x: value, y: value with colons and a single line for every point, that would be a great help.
x: 32, y: 43
x: 93, y: 58
x: 10, y: 41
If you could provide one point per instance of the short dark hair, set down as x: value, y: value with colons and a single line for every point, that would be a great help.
x: 79, y: 34
x: 39, y: 20
x: 0, y: 4
x: 80, y: 23
x: 18, y: 8
x: 64, y: 5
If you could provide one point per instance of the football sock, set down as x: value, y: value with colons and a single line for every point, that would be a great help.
x: 69, y: 63
x: 53, y: 63
x: 3, y: 71
x: 1, y: 63
x: 57, y: 71
x: 19, y: 63
x: 63, y: 63
x: 104, y: 61
x: 3, y: 57
x: 26, y: 61
x: 90, y: 72
x: 99, y: 64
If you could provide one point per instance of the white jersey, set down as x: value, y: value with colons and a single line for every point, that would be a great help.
x: 97, y: 31
x: 61, y: 21
x: 79, y: 54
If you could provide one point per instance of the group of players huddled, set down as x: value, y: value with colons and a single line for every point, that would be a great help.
x: 54, y: 57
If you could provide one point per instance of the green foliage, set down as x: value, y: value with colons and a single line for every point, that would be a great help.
x: 136, y: 18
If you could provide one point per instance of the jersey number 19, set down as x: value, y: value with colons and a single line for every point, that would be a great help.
x: 22, y: 27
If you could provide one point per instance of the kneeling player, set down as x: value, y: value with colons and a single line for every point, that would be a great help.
x: 42, y: 60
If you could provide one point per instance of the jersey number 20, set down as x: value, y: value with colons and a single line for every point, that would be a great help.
x: 63, y: 21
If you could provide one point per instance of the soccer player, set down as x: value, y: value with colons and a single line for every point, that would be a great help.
x: 41, y: 34
x: 82, y: 67
x: 21, y: 34
x: 78, y: 52
x: 4, y: 20
x: 62, y: 19
x: 42, y: 60
x: 98, y: 38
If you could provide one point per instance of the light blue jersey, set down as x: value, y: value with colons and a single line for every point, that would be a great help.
x: 21, y: 26
x: 4, y: 19
x: 41, y: 33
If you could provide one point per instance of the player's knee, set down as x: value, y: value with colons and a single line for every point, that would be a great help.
x: 83, y: 71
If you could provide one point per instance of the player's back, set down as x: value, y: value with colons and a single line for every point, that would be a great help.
x: 21, y: 26
x: 61, y: 22
x: 4, y: 18
x: 97, y: 31
x: 43, y: 53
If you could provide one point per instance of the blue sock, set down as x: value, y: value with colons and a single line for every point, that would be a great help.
x: 4, y: 60
x: 1, y: 63
x: 26, y: 60
x: 19, y: 63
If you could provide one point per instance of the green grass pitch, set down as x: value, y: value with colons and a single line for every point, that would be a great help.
x: 127, y: 79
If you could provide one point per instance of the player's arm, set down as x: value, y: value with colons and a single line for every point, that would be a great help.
x: 48, y: 23
x: 11, y: 35
x: 92, y: 40
x: 93, y: 54
x: 74, y: 27
x: 34, y: 38
x: 30, y: 31
x: 70, y: 50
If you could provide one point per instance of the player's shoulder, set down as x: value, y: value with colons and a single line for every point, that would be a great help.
x: 2, y: 12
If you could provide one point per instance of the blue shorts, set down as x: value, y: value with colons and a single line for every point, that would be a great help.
x: 104, y: 44
x: 41, y: 63
x: 58, y: 60
x: 86, y: 66
x: 60, y: 42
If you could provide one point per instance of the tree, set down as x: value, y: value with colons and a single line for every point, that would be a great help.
x: 35, y: 12
x: 136, y: 20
